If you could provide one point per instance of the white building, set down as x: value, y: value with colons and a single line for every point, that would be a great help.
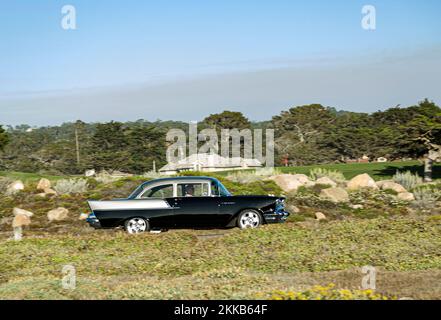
x: 210, y: 163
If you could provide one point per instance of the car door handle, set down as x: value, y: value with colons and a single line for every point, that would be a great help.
x: 227, y: 203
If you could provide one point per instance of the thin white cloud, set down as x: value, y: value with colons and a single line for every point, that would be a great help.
x: 364, y: 85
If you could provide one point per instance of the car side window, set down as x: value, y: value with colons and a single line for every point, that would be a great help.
x: 162, y: 191
x: 193, y: 190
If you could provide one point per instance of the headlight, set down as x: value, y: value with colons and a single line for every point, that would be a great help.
x: 92, y: 217
x: 280, y: 205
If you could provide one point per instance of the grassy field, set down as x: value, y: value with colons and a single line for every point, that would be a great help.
x: 378, y: 171
x: 28, y: 177
x: 191, y: 264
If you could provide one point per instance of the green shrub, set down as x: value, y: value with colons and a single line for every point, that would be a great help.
x: 92, y: 183
x: 4, y: 184
x: 253, y: 188
x: 310, y: 197
x: 381, y: 199
x: 105, y: 178
x: 435, y: 218
x: 426, y: 198
x: 150, y: 175
x: 407, y: 179
x: 317, y: 188
x: 317, y: 173
x: 248, y: 176
x: 69, y: 186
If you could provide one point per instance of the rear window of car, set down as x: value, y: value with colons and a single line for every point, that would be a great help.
x: 162, y: 191
x: 193, y: 190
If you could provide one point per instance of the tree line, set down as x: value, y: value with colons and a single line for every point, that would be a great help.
x: 309, y: 134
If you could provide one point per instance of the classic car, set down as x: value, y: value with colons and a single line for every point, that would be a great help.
x: 185, y: 202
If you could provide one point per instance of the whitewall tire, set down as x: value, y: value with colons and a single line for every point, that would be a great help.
x: 136, y: 225
x: 249, y: 219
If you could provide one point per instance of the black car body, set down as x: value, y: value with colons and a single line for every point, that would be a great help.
x: 185, y: 202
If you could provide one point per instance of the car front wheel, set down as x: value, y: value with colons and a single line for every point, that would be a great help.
x: 249, y: 219
x: 136, y: 225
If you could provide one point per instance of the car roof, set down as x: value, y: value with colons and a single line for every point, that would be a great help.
x: 179, y: 179
x: 172, y: 180
x: 185, y: 178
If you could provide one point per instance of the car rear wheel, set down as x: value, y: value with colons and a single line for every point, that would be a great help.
x: 136, y: 225
x: 249, y: 219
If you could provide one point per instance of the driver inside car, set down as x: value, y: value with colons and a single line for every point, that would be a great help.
x: 189, y: 191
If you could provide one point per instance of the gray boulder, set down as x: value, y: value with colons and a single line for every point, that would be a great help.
x: 406, y: 196
x: 58, y: 214
x: 303, y: 179
x: 390, y: 185
x: 49, y: 191
x: 17, y: 211
x: 43, y: 184
x: 320, y: 216
x: 15, y: 187
x: 335, y: 195
x: 21, y: 220
x: 287, y: 182
x: 362, y: 181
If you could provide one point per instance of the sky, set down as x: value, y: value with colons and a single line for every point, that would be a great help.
x: 183, y: 60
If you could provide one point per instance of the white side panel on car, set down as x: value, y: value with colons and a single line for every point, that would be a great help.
x: 128, y: 204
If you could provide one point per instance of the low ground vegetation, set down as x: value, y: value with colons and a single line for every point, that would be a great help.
x: 189, y: 264
x: 328, y: 293
x: 401, y: 239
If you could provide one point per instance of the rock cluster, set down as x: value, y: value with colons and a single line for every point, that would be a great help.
x: 402, y: 193
x: 338, y: 193
x: 45, y: 186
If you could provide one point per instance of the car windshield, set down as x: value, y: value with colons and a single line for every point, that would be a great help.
x: 223, y: 191
x: 217, y: 189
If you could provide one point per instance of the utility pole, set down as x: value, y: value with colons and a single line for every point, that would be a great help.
x: 77, y: 141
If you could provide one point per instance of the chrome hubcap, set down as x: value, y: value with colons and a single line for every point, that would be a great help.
x: 249, y: 220
x: 136, y: 225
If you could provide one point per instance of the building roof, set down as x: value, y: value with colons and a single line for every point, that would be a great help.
x: 205, y: 160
